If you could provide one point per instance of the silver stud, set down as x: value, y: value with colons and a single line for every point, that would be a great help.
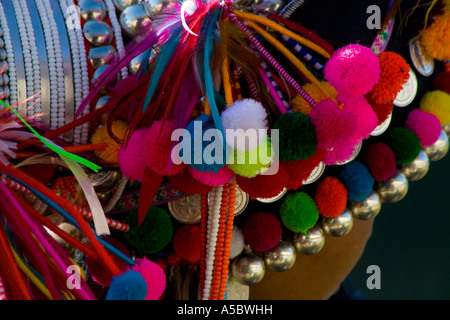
x: 339, y: 226
x: 248, y: 268
x: 310, y: 242
x: 394, y: 189
x: 122, y: 4
x: 281, y: 257
x: 155, y: 7
x: 99, y: 56
x: 98, y: 33
x: 92, y: 9
x: 439, y: 149
x: 134, y: 19
x: 417, y: 169
x: 367, y: 209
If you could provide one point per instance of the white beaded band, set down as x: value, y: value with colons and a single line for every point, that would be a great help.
x: 9, y: 57
x: 18, y: 84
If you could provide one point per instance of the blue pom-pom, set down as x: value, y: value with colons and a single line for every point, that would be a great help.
x: 127, y: 286
x: 357, y: 179
x: 200, y: 159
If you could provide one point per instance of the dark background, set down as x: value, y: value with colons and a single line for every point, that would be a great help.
x: 410, y: 240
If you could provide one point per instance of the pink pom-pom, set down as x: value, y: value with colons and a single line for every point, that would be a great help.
x: 131, y: 158
x: 380, y: 160
x: 158, y: 147
x: 153, y: 275
x: 210, y: 178
x: 334, y: 127
x: 353, y: 70
x: 366, y: 117
x: 425, y: 125
x: 338, y: 155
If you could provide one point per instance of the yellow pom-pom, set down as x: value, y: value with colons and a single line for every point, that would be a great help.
x: 437, y: 102
x: 301, y: 105
x: 110, y: 153
x: 251, y: 163
x: 436, y: 37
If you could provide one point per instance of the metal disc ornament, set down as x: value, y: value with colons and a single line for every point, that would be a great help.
x: 339, y: 226
x: 315, y: 174
x: 367, y: 209
x: 408, y: 92
x: 439, y: 149
x: 281, y: 257
x: 311, y: 242
x: 187, y: 209
x: 417, y: 169
x: 354, y: 155
x: 423, y: 63
x: 248, y: 268
x: 394, y: 189
x: 273, y: 199
x: 381, y: 128
x: 241, y: 201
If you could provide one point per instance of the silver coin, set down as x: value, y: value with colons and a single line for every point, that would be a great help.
x: 382, y: 127
x: 408, y: 92
x: 423, y: 63
x: 187, y: 209
x: 241, y: 201
x: 273, y: 199
x: 354, y: 154
x: 315, y: 174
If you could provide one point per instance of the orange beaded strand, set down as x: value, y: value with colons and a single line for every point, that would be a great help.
x: 203, y: 223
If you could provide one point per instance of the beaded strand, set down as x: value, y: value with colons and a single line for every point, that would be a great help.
x: 203, y: 233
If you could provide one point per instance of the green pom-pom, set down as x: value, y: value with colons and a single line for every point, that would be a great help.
x: 251, y: 163
x: 405, y: 144
x: 299, y: 212
x: 297, y: 136
x: 153, y: 234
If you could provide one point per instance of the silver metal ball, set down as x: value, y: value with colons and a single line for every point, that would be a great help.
x: 446, y: 129
x: 155, y: 7
x: 248, y: 268
x: 92, y: 9
x: 367, y: 209
x: 339, y: 226
x: 439, y: 149
x: 98, y: 33
x: 99, y: 56
x: 417, y: 169
x: 134, y: 19
x: 311, y: 242
x: 394, y: 189
x: 135, y: 64
x: 270, y: 6
x: 281, y: 257
x: 122, y: 4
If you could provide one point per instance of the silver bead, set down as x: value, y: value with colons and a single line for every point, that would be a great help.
x: 5, y: 79
x: 367, y: 209
x: 417, y: 169
x: 270, y: 6
x: 2, y: 43
x: 446, y: 129
x: 101, y: 102
x: 135, y: 64
x: 248, y: 268
x: 4, y: 67
x: 3, y: 54
x: 281, y: 257
x: 98, y: 33
x: 439, y: 149
x: 339, y: 226
x: 134, y: 19
x: 122, y: 4
x: 92, y: 9
x: 311, y: 242
x: 99, y: 56
x: 394, y: 189
x: 155, y: 7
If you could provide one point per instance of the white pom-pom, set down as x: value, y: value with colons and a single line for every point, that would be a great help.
x: 250, y: 117
x: 237, y: 242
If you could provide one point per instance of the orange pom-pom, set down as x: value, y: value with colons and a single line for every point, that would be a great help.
x: 436, y: 38
x: 111, y: 152
x: 331, y: 197
x: 394, y: 74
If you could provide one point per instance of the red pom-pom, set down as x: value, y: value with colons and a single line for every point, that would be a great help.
x: 331, y: 197
x: 442, y: 82
x: 394, y: 73
x: 184, y: 182
x: 380, y: 160
x: 262, y: 231
x: 300, y: 170
x: 173, y: 259
x: 383, y: 111
x: 102, y: 274
x: 187, y: 243
x: 264, y: 186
